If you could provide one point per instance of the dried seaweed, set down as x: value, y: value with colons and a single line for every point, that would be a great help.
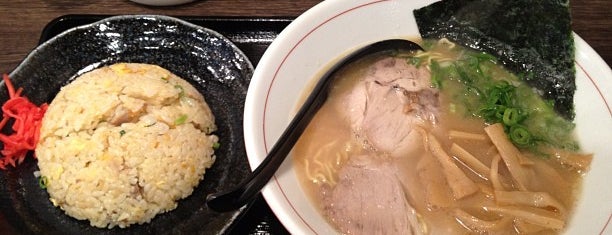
x: 532, y: 38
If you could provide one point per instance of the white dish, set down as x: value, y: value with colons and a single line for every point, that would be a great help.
x: 333, y: 28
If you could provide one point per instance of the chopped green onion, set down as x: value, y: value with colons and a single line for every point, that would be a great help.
x: 150, y: 125
x: 511, y: 116
x: 520, y: 136
x: 436, y: 78
x: 180, y: 120
x: 464, y: 76
x: 499, y: 112
x: 475, y: 83
x: 181, y: 90
x: 416, y: 61
x: 42, y: 182
x: 216, y: 145
x: 165, y: 79
x: 493, y: 98
x: 122, y: 132
x: 485, y: 57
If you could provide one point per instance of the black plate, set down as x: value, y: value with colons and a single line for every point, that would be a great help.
x: 208, y: 60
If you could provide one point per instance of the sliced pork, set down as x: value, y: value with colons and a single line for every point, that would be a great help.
x: 369, y: 199
x: 387, y: 110
x: 392, y: 98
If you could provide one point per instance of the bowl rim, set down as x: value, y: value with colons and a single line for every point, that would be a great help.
x: 256, y: 138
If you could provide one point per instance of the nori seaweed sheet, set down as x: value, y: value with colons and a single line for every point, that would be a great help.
x: 532, y: 38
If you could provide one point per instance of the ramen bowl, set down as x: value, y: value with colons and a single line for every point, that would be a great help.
x: 333, y: 29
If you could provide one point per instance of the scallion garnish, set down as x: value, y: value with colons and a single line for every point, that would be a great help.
x: 181, y: 90
x: 180, y: 120
x: 520, y: 136
x: 42, y: 182
x: 416, y: 61
x: 436, y: 78
x: 477, y: 82
x: 511, y: 116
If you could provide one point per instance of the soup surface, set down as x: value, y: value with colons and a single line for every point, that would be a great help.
x: 402, y: 146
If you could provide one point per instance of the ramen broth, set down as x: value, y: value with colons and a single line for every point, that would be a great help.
x: 330, y: 142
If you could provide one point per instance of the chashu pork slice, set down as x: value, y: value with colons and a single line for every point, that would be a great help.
x: 369, y: 199
x: 387, y: 104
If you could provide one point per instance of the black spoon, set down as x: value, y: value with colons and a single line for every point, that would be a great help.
x: 246, y: 191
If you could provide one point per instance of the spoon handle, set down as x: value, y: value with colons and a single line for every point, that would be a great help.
x: 245, y: 191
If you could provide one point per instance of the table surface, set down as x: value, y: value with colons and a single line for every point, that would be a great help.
x: 21, y: 21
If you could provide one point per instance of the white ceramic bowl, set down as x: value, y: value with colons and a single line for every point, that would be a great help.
x: 334, y: 28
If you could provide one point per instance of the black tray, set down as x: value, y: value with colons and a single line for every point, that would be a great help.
x: 252, y: 36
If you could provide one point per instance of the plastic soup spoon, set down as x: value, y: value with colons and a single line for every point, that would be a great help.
x: 246, y: 191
